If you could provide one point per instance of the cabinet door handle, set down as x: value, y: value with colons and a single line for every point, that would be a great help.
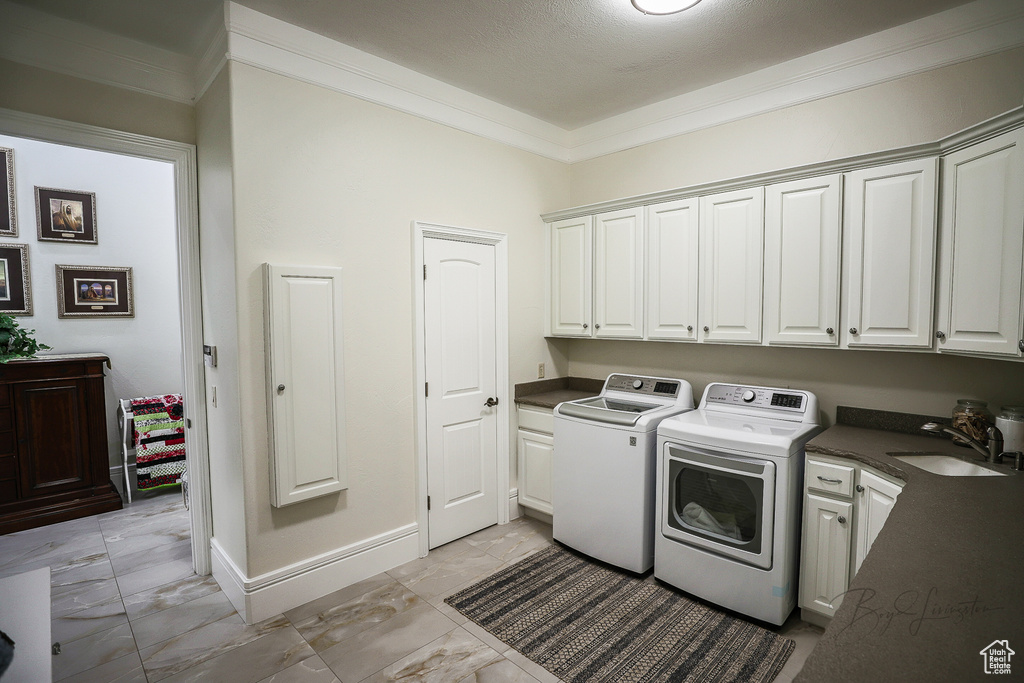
x: 829, y: 331
x: 830, y: 481
x: 860, y: 489
x: 585, y: 326
x: 707, y: 329
x: 940, y: 335
x: 853, y: 330
x: 1020, y: 345
x: 597, y: 326
x: 841, y: 519
x: 280, y: 388
x: 689, y: 328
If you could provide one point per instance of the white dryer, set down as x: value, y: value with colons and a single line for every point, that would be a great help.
x: 603, y: 475
x: 728, y: 496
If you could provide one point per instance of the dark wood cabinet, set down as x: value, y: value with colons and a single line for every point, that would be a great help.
x: 54, y: 464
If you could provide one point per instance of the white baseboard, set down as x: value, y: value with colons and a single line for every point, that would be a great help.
x: 514, y: 511
x: 264, y: 596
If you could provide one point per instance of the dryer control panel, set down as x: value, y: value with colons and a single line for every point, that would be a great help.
x: 637, y: 384
x: 787, y: 401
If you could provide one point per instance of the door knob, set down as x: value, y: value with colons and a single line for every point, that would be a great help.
x: 491, y: 402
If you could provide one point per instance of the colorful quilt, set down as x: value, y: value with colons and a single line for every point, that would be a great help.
x: 159, y: 433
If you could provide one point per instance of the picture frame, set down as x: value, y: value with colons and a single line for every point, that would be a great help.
x: 65, y: 215
x: 94, y: 292
x: 8, y: 216
x: 15, y: 280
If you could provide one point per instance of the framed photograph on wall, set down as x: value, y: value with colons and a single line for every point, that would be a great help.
x: 8, y: 217
x: 15, y: 288
x: 94, y: 292
x: 65, y: 215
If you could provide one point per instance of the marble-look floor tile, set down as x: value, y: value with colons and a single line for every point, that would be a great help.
x: 175, y: 570
x: 144, y: 523
x: 72, y: 598
x: 127, y: 669
x: 447, y: 551
x: 168, y: 595
x: 806, y: 637
x: 312, y: 670
x: 337, y: 623
x: 119, y: 545
x: 41, y: 550
x: 126, y: 563
x: 454, y: 571
x: 451, y: 657
x: 487, y: 638
x: 251, y: 662
x: 160, y: 626
x: 189, y: 649
x: 89, y: 567
x: 533, y: 668
x: 338, y: 597
x: 373, y: 649
x: 518, y: 539
x: 85, y: 622
x: 92, y: 651
x: 500, y: 670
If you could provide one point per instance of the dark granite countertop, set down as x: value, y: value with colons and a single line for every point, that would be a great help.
x: 548, y: 393
x: 943, y: 579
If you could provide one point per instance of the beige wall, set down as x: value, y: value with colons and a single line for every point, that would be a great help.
x: 217, y: 264
x: 37, y: 91
x: 321, y: 178
x: 916, y: 109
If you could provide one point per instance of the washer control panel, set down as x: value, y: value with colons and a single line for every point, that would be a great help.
x: 757, y: 397
x: 634, y: 384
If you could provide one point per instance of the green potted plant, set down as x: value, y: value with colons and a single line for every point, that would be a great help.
x: 16, y: 342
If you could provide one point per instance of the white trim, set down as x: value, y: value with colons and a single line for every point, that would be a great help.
x: 258, y: 598
x: 514, y: 511
x: 183, y: 158
x: 43, y: 40
x: 420, y: 231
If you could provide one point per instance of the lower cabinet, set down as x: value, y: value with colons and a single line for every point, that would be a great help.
x: 845, y: 506
x: 535, y: 447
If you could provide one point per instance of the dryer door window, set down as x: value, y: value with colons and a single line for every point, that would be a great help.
x: 721, y: 503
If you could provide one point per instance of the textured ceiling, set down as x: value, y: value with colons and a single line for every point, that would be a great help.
x: 568, y: 62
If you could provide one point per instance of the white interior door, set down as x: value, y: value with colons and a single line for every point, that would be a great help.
x: 461, y: 372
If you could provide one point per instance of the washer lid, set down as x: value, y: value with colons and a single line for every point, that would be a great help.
x: 607, y: 410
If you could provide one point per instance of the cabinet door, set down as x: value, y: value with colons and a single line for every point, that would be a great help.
x: 825, y: 556
x: 890, y: 255
x: 534, y: 451
x: 53, y: 436
x: 982, y: 240
x: 618, y: 274
x: 305, y: 382
x: 876, y: 496
x: 571, y: 276
x: 672, y: 258
x: 732, y: 239
x: 801, y: 261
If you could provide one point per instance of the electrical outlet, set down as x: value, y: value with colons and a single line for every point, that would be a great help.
x: 540, y: 371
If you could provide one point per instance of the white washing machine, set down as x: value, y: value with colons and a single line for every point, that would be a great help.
x: 728, y: 495
x: 603, y: 476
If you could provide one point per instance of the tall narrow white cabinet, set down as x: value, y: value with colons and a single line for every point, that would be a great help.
x: 981, y: 247
x: 732, y: 239
x: 305, y: 382
x: 571, y: 277
x: 825, y: 561
x: 801, y: 261
x: 672, y: 260
x: 618, y: 274
x: 890, y: 254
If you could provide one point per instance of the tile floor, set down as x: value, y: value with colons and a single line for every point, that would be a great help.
x: 126, y: 607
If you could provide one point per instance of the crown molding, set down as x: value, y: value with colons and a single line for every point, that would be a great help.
x: 967, y: 32
x: 31, y: 37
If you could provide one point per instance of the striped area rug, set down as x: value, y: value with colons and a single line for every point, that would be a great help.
x: 584, y: 622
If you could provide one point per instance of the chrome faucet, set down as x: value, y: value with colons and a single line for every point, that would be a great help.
x: 990, y: 453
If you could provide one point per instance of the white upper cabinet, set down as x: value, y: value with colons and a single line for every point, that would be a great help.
x: 732, y: 242
x: 890, y: 254
x: 672, y: 258
x: 982, y: 239
x: 801, y: 261
x: 618, y: 274
x: 571, y: 276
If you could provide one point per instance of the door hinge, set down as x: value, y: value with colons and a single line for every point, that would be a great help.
x: 188, y: 423
x: 424, y: 271
x: 428, y: 503
x: 426, y: 388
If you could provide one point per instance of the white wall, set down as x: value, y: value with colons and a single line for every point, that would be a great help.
x: 136, y: 227
x: 321, y: 178
x: 917, y: 109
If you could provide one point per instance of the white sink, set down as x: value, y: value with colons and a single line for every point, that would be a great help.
x: 946, y: 465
